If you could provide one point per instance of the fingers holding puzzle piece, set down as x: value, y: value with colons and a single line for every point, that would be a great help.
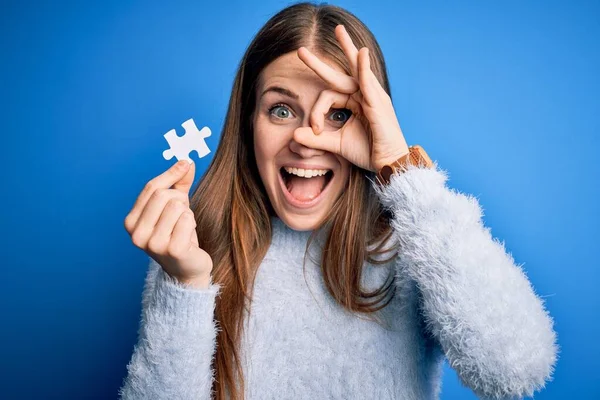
x: 193, y: 139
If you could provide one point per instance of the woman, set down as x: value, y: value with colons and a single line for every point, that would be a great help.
x: 297, y: 271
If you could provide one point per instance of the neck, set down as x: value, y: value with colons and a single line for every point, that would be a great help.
x: 292, y: 240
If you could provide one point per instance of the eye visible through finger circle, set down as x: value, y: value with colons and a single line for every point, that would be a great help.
x: 340, y: 115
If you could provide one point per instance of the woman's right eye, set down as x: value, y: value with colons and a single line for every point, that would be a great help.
x: 281, y: 111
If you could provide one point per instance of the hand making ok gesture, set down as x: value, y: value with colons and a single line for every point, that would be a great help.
x: 372, y: 136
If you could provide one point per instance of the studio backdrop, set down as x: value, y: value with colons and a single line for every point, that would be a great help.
x: 504, y: 95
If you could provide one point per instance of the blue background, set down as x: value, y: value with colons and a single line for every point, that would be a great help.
x: 503, y: 95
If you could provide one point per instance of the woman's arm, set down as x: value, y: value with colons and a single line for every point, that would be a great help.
x: 475, y: 301
x: 176, y: 343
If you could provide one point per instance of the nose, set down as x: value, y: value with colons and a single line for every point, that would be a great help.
x: 304, y: 151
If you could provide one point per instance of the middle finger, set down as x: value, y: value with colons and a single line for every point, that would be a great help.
x: 349, y: 48
x: 338, y: 80
x: 145, y: 224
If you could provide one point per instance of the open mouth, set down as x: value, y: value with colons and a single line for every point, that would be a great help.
x: 304, y: 192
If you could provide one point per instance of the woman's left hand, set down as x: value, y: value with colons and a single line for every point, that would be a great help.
x: 371, y: 137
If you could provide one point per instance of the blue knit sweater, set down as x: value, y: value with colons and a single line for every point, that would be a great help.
x: 459, y: 296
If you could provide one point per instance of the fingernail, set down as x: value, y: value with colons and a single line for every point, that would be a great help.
x: 183, y: 164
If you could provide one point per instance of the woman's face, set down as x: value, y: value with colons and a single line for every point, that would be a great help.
x: 302, y: 183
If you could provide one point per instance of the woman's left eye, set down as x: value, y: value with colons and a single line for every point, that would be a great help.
x: 341, y: 115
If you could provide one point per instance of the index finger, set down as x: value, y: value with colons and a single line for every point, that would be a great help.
x: 171, y: 176
x: 338, y: 81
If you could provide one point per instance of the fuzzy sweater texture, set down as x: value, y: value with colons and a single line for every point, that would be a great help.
x: 459, y: 296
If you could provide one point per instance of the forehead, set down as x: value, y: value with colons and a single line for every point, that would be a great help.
x: 289, y: 70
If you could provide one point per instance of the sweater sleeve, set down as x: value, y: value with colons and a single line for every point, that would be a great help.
x: 475, y: 302
x: 176, y: 341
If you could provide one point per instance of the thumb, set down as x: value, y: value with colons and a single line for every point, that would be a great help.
x: 326, y: 140
x: 185, y: 182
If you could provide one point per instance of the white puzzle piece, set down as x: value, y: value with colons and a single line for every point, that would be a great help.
x: 193, y: 139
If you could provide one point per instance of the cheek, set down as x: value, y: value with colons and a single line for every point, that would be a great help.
x: 263, y: 151
x: 346, y: 168
x: 260, y: 142
x: 269, y: 140
x: 343, y: 183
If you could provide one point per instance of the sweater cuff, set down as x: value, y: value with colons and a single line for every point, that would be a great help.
x: 417, y: 185
x: 181, y: 305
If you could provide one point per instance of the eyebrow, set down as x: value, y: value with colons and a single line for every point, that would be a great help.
x: 281, y: 90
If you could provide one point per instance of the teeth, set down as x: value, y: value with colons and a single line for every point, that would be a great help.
x: 307, y: 173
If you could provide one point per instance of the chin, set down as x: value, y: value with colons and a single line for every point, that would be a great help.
x: 300, y: 222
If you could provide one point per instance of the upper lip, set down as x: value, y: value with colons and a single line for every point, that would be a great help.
x: 305, y: 166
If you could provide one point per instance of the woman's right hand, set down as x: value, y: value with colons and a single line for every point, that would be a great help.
x: 162, y: 224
